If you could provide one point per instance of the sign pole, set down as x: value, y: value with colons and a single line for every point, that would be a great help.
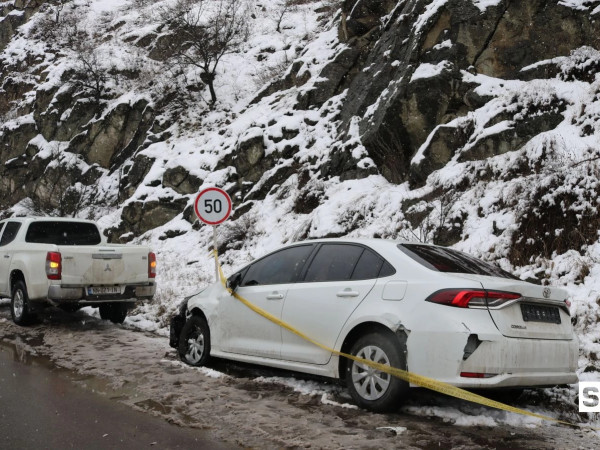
x: 216, y: 254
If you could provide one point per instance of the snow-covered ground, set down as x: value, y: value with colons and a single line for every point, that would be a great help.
x: 265, y: 408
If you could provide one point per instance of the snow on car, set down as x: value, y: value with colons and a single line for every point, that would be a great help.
x: 431, y: 310
x: 66, y: 262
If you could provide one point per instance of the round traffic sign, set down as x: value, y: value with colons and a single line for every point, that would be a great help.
x: 213, y: 206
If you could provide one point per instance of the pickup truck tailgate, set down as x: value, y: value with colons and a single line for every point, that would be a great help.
x: 103, y: 265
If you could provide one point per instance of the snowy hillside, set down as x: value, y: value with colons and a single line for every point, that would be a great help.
x: 409, y: 119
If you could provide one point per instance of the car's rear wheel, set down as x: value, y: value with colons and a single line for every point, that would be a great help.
x: 194, y: 342
x: 19, y: 304
x: 115, y: 312
x: 370, y: 388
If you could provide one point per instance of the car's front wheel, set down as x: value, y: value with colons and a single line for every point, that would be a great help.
x: 194, y: 342
x: 370, y: 388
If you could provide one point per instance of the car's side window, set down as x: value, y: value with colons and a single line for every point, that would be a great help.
x: 334, y: 262
x: 387, y: 270
x: 10, y: 232
x: 368, y: 266
x: 281, y: 267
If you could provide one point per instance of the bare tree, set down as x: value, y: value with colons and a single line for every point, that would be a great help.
x: 53, y: 25
x: 284, y: 8
x: 206, y: 31
x: 60, y: 4
x: 90, y: 75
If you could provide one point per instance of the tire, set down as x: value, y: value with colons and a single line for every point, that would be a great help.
x: 506, y: 395
x: 19, y: 304
x: 115, y: 312
x: 194, y: 342
x: 372, y: 389
x: 69, y: 307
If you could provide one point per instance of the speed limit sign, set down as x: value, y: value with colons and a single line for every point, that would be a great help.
x: 213, y: 206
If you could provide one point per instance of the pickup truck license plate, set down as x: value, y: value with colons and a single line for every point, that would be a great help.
x: 104, y: 290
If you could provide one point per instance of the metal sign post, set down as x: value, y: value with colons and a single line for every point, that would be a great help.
x: 213, y: 207
x: 216, y: 254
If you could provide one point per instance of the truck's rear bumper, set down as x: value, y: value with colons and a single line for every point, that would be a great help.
x: 62, y: 294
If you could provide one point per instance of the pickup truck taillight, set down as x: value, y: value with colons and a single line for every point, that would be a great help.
x: 53, y: 266
x: 151, y: 265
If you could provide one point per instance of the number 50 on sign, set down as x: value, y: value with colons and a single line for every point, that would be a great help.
x: 213, y: 206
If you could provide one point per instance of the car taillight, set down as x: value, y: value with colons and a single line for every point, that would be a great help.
x: 568, y: 306
x: 469, y: 298
x: 151, y: 265
x: 477, y: 375
x: 53, y: 266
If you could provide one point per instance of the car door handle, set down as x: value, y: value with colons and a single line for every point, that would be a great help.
x: 348, y: 293
x: 7, y: 256
x: 275, y: 296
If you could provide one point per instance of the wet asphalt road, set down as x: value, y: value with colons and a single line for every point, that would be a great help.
x: 40, y: 408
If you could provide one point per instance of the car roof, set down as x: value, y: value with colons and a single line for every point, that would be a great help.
x: 365, y: 241
x: 29, y: 219
x: 374, y: 243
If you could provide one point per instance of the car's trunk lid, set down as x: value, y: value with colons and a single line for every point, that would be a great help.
x: 540, y: 313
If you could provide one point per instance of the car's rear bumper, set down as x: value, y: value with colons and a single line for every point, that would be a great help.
x: 503, y: 362
x: 522, y: 379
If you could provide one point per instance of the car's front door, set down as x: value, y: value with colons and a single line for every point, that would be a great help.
x: 265, y: 284
x: 337, y: 280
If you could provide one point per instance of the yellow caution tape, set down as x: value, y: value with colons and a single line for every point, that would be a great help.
x: 407, y: 376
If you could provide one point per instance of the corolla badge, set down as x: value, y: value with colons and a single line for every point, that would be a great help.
x: 547, y: 292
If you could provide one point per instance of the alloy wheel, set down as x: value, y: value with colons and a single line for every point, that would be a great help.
x: 195, y: 347
x: 370, y: 384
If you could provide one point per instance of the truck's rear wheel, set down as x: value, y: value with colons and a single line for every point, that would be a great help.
x: 115, y: 312
x: 19, y: 304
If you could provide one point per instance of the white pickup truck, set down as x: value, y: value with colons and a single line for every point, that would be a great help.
x: 67, y: 263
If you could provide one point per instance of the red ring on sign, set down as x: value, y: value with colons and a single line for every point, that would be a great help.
x: 220, y: 191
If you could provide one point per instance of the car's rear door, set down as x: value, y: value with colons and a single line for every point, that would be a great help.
x: 265, y: 284
x: 337, y: 280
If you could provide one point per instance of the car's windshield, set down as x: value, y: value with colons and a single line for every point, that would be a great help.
x: 63, y: 233
x: 444, y: 259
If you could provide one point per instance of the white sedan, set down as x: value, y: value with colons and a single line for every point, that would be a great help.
x: 428, y: 309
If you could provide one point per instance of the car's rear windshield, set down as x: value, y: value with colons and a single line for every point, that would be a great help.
x: 63, y: 233
x: 444, y: 259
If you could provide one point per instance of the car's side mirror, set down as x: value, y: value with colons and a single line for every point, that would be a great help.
x: 234, y: 281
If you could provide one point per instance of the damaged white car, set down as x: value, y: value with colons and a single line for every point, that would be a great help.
x: 428, y: 309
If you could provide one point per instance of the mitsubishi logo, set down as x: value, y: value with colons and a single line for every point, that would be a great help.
x: 547, y: 292
x: 107, y: 268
